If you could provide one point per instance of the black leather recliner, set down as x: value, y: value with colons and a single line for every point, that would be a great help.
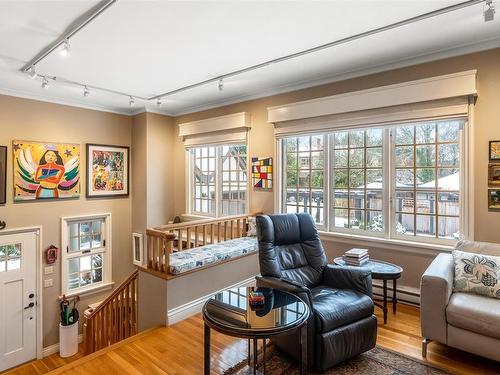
x: 341, y: 324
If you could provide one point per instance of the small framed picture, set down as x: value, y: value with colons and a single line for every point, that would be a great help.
x: 493, y: 174
x: 3, y: 174
x: 494, y: 150
x: 493, y: 199
x: 107, y: 171
x: 137, y: 248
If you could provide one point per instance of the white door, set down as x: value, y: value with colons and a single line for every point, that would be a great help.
x: 18, y: 307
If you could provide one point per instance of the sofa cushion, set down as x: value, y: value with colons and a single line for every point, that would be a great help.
x: 476, y: 273
x: 474, y: 313
x: 337, y: 307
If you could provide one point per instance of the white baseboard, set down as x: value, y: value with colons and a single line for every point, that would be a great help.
x: 191, y: 308
x: 405, y: 294
x: 52, y: 349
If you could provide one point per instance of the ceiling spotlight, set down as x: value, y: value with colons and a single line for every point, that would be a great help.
x: 86, y: 91
x: 45, y: 83
x: 221, y: 85
x: 32, y: 72
x: 158, y: 102
x: 66, y: 48
x: 131, y: 101
x: 489, y: 11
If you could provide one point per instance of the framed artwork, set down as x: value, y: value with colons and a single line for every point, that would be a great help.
x: 107, y: 171
x: 494, y: 150
x: 493, y: 198
x: 494, y: 174
x: 3, y: 174
x: 46, y: 170
x: 262, y: 173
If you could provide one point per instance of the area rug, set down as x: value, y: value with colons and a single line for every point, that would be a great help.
x: 377, y: 361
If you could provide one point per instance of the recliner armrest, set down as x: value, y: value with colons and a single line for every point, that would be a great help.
x: 287, y: 286
x: 348, y: 277
x: 436, y: 287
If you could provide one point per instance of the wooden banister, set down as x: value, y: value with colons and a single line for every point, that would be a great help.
x: 115, y: 318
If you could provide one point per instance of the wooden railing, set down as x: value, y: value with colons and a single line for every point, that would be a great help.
x: 114, y: 319
x: 165, y: 239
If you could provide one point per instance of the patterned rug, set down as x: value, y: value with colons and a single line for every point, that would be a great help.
x: 377, y: 361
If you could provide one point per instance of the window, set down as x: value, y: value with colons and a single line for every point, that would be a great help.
x: 10, y: 257
x: 395, y: 181
x: 86, y: 254
x: 218, y: 180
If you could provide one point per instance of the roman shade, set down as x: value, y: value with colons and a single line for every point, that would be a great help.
x: 217, y: 130
x: 437, y: 97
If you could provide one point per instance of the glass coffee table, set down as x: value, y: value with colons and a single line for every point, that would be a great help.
x: 381, y: 271
x: 230, y: 313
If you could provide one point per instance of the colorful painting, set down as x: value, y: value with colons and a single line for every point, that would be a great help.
x: 493, y: 199
x: 494, y: 150
x: 46, y: 170
x: 262, y: 173
x: 3, y: 174
x: 107, y: 171
x: 493, y: 174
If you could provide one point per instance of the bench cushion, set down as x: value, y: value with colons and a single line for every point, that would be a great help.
x: 187, y: 260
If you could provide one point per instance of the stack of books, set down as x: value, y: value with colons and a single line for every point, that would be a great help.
x: 356, y: 257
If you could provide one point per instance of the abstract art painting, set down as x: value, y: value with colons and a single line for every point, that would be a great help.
x: 3, y: 174
x: 46, y: 170
x: 107, y: 170
x: 262, y: 173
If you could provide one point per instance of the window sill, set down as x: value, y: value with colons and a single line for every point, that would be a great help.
x: 91, y: 290
x: 386, y: 244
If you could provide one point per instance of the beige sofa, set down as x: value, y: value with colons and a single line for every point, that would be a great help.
x: 462, y: 320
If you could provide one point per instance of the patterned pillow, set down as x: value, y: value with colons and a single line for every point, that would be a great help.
x: 477, y: 273
x: 252, y: 226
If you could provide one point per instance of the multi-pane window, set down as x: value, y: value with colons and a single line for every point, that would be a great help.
x: 233, y: 161
x: 85, y: 253
x: 304, y: 175
x: 391, y: 181
x: 10, y: 257
x: 427, y: 172
x: 358, y: 179
x: 219, y: 180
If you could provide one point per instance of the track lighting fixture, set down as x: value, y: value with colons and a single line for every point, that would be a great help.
x: 45, y: 83
x: 131, y: 101
x: 65, y: 48
x: 221, y: 85
x: 489, y: 11
x: 86, y: 91
x: 158, y: 102
x: 32, y: 72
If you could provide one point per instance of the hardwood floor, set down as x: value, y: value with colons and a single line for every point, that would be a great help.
x: 178, y: 349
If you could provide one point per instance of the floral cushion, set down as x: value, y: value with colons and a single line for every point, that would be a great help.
x: 186, y: 260
x: 477, y: 273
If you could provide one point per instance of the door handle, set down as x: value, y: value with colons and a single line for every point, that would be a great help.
x: 30, y: 305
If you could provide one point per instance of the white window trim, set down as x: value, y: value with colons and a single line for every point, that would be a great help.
x: 107, y: 282
x: 138, y: 262
x: 388, y: 236
x: 190, y: 213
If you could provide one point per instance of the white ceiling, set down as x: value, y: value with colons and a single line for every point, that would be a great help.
x: 146, y: 48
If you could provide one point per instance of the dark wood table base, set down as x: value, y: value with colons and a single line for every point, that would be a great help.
x: 394, y: 299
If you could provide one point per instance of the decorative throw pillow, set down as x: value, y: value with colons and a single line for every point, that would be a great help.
x: 252, y: 226
x: 477, y: 273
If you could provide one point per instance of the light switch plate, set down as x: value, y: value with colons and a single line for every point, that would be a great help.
x: 49, y: 270
x: 48, y: 283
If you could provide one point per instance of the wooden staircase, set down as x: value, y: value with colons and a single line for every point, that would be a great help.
x: 115, y: 319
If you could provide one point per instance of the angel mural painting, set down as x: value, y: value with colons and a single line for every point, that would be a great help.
x: 46, y: 171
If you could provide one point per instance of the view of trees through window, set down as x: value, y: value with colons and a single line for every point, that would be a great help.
x: 422, y: 193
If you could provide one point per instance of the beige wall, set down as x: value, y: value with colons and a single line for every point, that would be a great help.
x: 487, y: 127
x: 23, y: 119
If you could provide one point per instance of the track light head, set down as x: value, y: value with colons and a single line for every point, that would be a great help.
x: 159, y: 102
x: 45, y: 83
x: 86, y: 91
x: 221, y: 85
x: 65, y: 48
x: 489, y: 11
x: 32, y: 72
x: 131, y: 101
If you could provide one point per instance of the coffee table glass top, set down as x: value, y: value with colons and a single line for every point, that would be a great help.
x: 231, y: 310
x: 378, y: 268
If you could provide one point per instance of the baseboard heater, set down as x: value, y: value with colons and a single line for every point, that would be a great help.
x: 407, y: 295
